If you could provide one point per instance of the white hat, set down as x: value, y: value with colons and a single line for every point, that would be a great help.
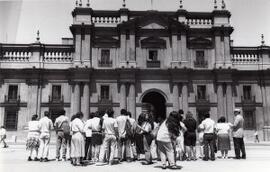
x: 237, y: 110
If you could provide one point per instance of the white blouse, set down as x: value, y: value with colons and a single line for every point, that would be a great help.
x: 223, y: 128
x: 77, y: 125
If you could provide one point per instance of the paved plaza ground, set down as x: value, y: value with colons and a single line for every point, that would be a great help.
x: 13, y: 159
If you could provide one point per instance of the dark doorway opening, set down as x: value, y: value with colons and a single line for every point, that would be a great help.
x: 155, y: 102
x: 201, y: 114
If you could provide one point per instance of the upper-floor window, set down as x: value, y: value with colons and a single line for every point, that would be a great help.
x: 247, y: 92
x: 105, y: 58
x: 201, y: 92
x: 200, y: 59
x: 12, y: 92
x: 104, y: 92
x: 153, y: 55
x: 56, y: 92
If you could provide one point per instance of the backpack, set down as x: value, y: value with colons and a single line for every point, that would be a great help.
x: 65, y: 127
x: 128, y: 129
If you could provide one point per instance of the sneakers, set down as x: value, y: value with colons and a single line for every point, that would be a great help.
x: 29, y: 159
x: 163, y: 167
x: 36, y: 159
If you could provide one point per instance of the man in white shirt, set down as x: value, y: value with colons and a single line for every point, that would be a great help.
x: 3, y: 136
x: 62, y: 135
x: 88, y: 140
x: 110, y: 128
x: 208, y: 127
x: 46, y: 126
x: 123, y: 142
x: 238, y: 135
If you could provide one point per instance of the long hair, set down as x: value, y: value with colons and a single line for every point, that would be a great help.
x: 173, y: 124
x: 141, y: 119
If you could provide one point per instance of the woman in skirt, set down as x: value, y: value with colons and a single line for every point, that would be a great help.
x: 77, y: 140
x: 32, y: 143
x: 223, y: 136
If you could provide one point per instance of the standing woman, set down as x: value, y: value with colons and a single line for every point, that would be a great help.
x: 223, y: 130
x: 190, y: 136
x: 32, y: 142
x: 167, y: 134
x: 147, y: 127
x: 139, y: 136
x: 77, y: 140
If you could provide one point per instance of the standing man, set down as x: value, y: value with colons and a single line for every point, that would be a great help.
x: 238, y: 135
x: 46, y: 126
x: 3, y: 136
x: 110, y: 129
x: 124, y: 142
x: 208, y: 127
x: 62, y: 128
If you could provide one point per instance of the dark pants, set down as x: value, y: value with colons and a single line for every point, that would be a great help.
x: 88, y: 148
x: 239, y: 145
x: 209, y: 141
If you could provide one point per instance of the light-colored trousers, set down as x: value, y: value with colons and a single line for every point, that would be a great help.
x: 108, y: 148
x: 44, y: 145
x: 166, y: 152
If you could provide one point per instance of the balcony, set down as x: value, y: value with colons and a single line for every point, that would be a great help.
x: 200, y: 64
x: 105, y: 63
x: 12, y: 99
x: 202, y: 101
x: 248, y: 100
x: 153, y: 64
x: 56, y: 99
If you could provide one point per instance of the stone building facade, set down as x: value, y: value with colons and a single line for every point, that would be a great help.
x: 118, y: 59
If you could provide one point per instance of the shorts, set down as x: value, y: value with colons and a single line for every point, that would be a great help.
x: 189, y: 139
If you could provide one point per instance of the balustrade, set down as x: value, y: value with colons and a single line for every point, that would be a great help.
x: 16, y: 56
x: 245, y: 58
x: 199, y: 22
x: 106, y: 20
x: 58, y: 56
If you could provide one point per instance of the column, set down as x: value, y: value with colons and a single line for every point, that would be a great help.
x: 218, y: 51
x: 132, y: 48
x: 77, y: 98
x: 123, y: 96
x: 78, y: 49
x: 85, y: 107
x: 227, y: 51
x: 86, y: 50
x: 132, y: 100
x: 184, y: 58
x: 185, y: 97
x: 175, y: 97
x: 123, y: 48
x: 230, y: 103
x: 220, y: 102
x: 174, y: 48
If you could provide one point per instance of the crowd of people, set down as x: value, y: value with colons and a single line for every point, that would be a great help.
x: 105, y: 139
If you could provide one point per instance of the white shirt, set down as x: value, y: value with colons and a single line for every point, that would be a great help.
x: 2, y: 132
x: 223, y: 128
x: 121, y: 122
x: 77, y: 125
x: 94, y: 124
x: 58, y: 121
x: 33, y: 127
x: 163, y: 134
x: 208, y: 126
x: 46, y: 125
x: 87, y: 130
x: 109, y: 125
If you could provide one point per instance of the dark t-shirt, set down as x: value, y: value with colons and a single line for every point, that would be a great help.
x: 191, y: 125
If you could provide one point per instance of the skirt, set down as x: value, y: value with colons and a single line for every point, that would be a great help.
x: 96, y: 138
x: 77, y: 145
x: 139, y: 143
x: 224, y: 142
x: 32, y: 143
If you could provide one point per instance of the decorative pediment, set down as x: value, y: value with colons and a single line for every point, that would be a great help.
x: 153, y: 26
x: 200, y: 42
x: 153, y: 42
x: 106, y: 42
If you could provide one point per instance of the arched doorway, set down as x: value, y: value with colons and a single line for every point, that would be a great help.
x: 156, y: 103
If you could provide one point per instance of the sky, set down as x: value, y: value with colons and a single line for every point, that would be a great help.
x: 20, y: 19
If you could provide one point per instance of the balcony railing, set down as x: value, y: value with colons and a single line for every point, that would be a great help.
x: 202, y: 100
x: 56, y: 99
x: 105, y: 63
x: 12, y: 99
x: 153, y: 64
x: 200, y: 64
x: 251, y: 99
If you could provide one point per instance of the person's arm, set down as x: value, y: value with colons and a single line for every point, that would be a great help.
x: 236, y: 122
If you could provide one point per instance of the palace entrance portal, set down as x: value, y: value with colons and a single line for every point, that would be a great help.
x: 154, y: 102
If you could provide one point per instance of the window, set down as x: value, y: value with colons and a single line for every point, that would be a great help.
x: 200, y: 56
x: 247, y: 92
x: 249, y: 118
x: 56, y: 92
x: 105, y: 56
x: 104, y: 92
x: 201, y: 92
x: 153, y: 55
x: 11, y: 118
x: 12, y: 92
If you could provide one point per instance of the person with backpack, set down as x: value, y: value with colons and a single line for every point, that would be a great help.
x: 62, y: 128
x: 124, y: 130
